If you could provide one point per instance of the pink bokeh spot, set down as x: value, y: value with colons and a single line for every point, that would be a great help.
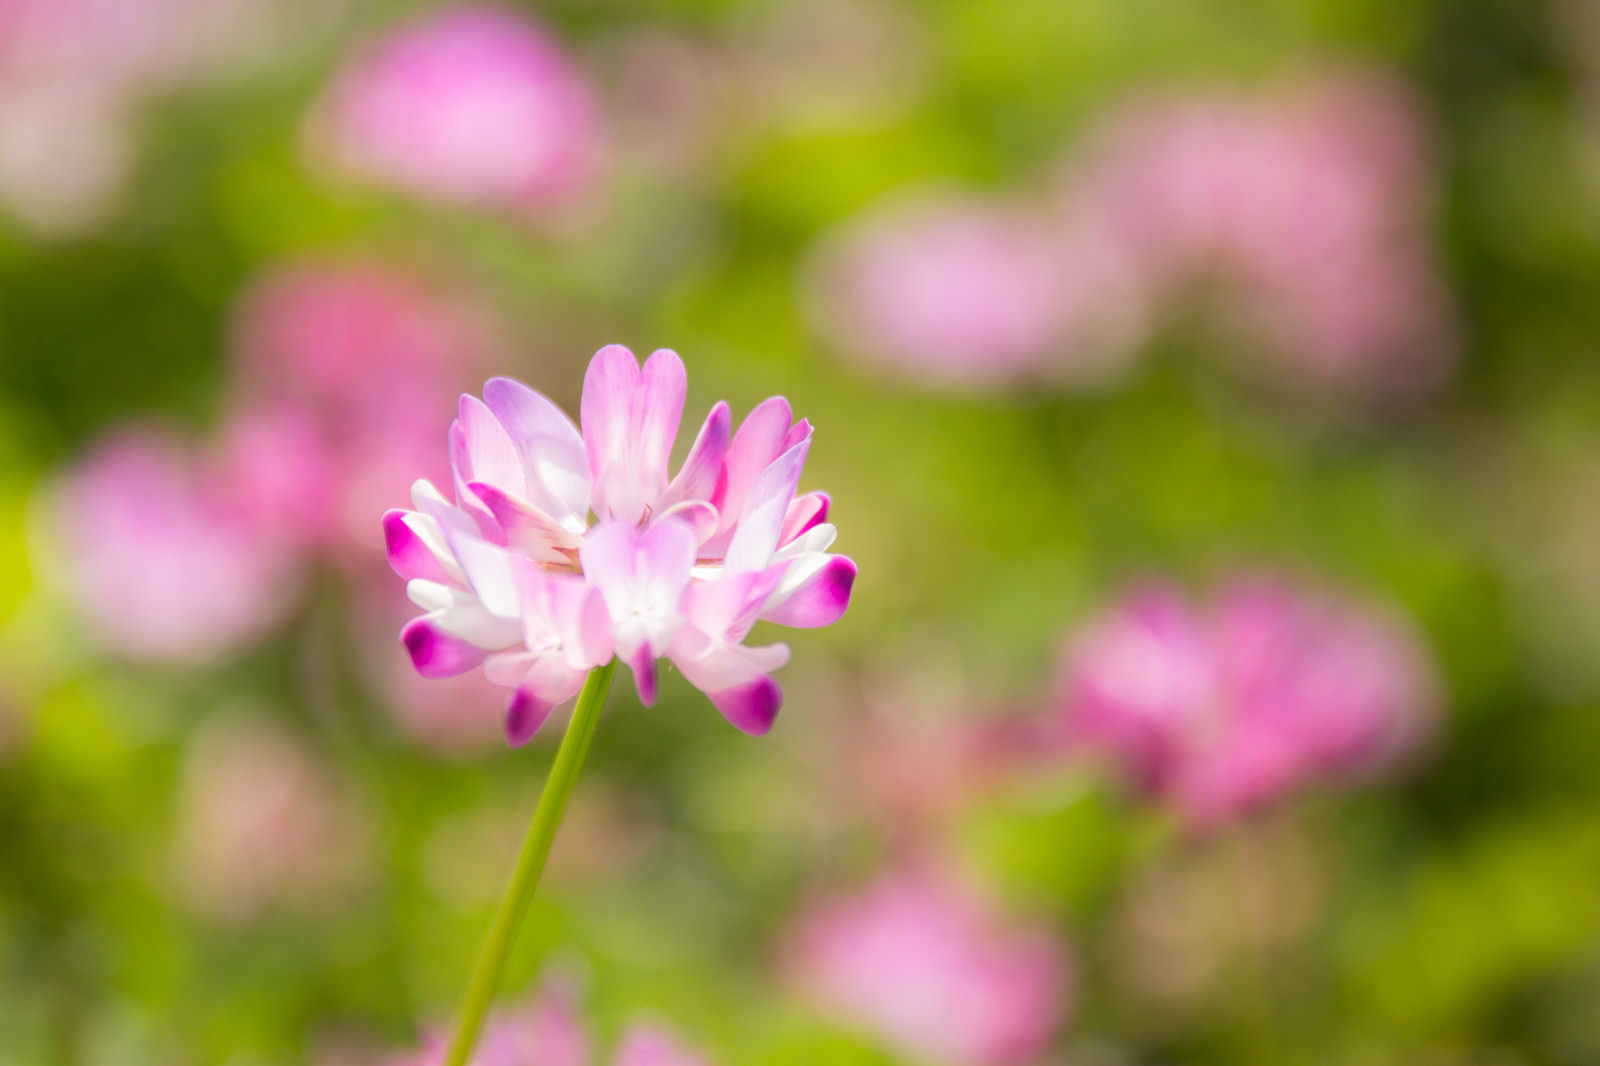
x: 1272, y: 687
x: 965, y: 292
x: 161, y: 553
x: 472, y: 105
x: 1308, y: 204
x: 932, y: 971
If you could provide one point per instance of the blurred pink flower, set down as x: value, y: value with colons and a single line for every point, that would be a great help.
x: 1218, y: 710
x: 359, y: 358
x: 129, y: 44
x: 544, y: 1032
x: 261, y: 822
x: 933, y: 972
x: 549, y: 1031
x: 472, y: 105
x: 512, y: 576
x: 1309, y: 205
x: 158, y: 549
x: 964, y: 292
x: 74, y: 73
x: 651, y: 1045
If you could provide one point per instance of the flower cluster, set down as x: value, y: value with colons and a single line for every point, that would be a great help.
x: 1218, y: 711
x: 933, y: 970
x: 79, y: 73
x: 1302, y: 211
x: 549, y: 1031
x: 472, y: 105
x: 181, y: 550
x: 512, y: 574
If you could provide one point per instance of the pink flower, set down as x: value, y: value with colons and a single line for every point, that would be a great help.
x: 262, y: 823
x: 75, y: 75
x: 471, y: 105
x: 1219, y: 710
x: 964, y: 292
x: 355, y: 356
x: 513, y: 576
x: 161, y: 553
x: 549, y: 1031
x: 1310, y: 207
x: 933, y: 972
x: 544, y: 1032
x: 649, y: 1045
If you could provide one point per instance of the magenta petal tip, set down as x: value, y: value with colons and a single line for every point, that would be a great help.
x: 436, y: 654
x: 823, y: 600
x: 751, y: 708
x: 525, y: 714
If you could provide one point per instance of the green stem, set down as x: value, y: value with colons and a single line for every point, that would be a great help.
x: 530, y: 862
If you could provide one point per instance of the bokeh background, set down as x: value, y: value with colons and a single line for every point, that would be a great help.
x: 1208, y: 393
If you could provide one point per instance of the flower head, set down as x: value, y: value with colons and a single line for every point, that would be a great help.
x: 513, y: 575
x: 1219, y: 710
x: 470, y: 105
x: 549, y: 1030
x: 966, y: 292
x: 932, y: 970
x: 163, y: 552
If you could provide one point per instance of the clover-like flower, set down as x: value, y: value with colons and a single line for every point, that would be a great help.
x: 515, y: 576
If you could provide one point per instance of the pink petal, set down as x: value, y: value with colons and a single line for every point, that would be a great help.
x: 630, y: 419
x: 658, y: 408
x: 608, y: 388
x: 409, y: 555
x: 550, y: 446
x: 643, y: 575
x: 766, y: 505
x: 819, y: 599
x: 805, y: 513
x: 526, y: 528
x: 666, y: 555
x: 643, y: 665
x: 491, y: 571
x: 524, y: 715
x: 701, y: 517
x: 752, y: 708
x: 436, y: 654
x: 461, y: 470
x: 702, y: 470
x: 589, y: 634
x: 490, y: 455
x: 758, y: 442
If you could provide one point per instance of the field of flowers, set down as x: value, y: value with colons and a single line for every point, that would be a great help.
x: 1089, y: 513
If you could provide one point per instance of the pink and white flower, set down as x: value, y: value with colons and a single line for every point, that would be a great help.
x: 932, y: 970
x: 472, y: 105
x: 161, y: 550
x: 1309, y: 205
x: 513, y: 575
x: 1218, y: 710
x: 970, y: 293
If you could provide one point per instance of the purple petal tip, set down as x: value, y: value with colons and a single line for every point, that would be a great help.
x: 750, y: 708
x: 524, y: 716
x: 435, y: 654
